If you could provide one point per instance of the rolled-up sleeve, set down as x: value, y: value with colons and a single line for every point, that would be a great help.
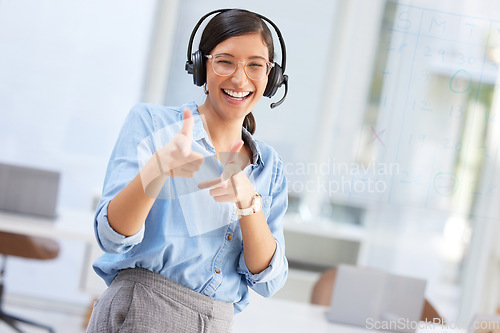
x: 272, y: 278
x: 270, y: 273
x: 109, y: 240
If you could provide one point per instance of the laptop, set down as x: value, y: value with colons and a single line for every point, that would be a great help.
x: 28, y: 190
x: 374, y: 299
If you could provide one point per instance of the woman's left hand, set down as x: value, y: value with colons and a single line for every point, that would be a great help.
x: 232, y: 185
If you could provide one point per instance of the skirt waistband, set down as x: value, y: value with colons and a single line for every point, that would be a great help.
x: 203, y: 304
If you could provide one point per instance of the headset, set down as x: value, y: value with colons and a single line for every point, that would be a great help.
x: 196, y: 65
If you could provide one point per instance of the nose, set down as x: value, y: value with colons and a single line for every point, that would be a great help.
x: 239, y: 76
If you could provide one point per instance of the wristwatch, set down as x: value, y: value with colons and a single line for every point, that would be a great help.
x: 253, y: 209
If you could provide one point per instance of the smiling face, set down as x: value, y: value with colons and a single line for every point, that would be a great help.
x: 233, y: 97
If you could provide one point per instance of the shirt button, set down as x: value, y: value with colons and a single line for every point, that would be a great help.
x: 229, y: 237
x: 217, y: 271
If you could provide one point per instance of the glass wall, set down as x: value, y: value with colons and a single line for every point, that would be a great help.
x: 387, y: 128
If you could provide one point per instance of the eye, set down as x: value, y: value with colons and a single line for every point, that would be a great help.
x: 224, y: 61
x: 256, y: 64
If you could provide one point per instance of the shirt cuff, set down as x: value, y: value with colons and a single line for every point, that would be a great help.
x: 272, y: 271
x: 109, y: 240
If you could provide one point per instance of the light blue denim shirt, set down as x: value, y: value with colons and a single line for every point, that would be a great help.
x: 187, y: 236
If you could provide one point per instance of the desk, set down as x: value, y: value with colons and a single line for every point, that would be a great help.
x: 70, y: 224
x: 270, y: 315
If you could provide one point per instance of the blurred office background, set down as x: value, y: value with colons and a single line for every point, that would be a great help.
x: 389, y: 133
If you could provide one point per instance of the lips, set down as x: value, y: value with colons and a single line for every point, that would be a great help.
x: 236, y: 94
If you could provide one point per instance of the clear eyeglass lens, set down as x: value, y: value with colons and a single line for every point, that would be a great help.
x: 256, y: 69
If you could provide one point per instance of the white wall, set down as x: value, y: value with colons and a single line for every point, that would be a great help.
x: 70, y: 71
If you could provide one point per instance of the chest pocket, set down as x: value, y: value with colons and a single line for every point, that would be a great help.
x: 266, y: 205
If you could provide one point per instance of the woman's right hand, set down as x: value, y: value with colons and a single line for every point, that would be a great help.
x: 176, y: 158
x: 128, y: 210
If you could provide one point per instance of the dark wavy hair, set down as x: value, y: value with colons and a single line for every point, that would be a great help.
x: 232, y: 23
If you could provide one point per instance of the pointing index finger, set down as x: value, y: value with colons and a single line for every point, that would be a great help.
x: 184, y: 141
x: 209, y: 183
x: 187, y: 123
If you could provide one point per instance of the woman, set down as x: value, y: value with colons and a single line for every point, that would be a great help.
x: 186, y: 228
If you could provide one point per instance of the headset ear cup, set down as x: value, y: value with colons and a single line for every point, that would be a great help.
x: 199, y: 69
x: 274, y: 81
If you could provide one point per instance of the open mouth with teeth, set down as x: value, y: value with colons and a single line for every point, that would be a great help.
x: 237, y: 95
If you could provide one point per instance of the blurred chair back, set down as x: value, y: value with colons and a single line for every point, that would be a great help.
x: 26, y: 247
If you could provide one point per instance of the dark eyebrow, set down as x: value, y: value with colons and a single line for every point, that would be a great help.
x: 224, y: 54
x: 230, y: 55
x: 258, y: 57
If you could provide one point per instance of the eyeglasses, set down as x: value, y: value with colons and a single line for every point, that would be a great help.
x: 255, y: 69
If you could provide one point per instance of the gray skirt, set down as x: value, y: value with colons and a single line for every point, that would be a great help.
x: 141, y: 301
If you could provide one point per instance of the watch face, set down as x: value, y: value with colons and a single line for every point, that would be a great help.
x: 258, y: 203
x: 253, y: 209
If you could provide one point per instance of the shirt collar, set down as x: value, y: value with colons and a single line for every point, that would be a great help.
x: 254, y: 147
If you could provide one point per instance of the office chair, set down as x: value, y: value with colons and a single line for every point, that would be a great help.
x: 323, y: 290
x: 26, y: 247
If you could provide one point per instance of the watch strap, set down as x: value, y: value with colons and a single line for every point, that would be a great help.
x: 254, y: 208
